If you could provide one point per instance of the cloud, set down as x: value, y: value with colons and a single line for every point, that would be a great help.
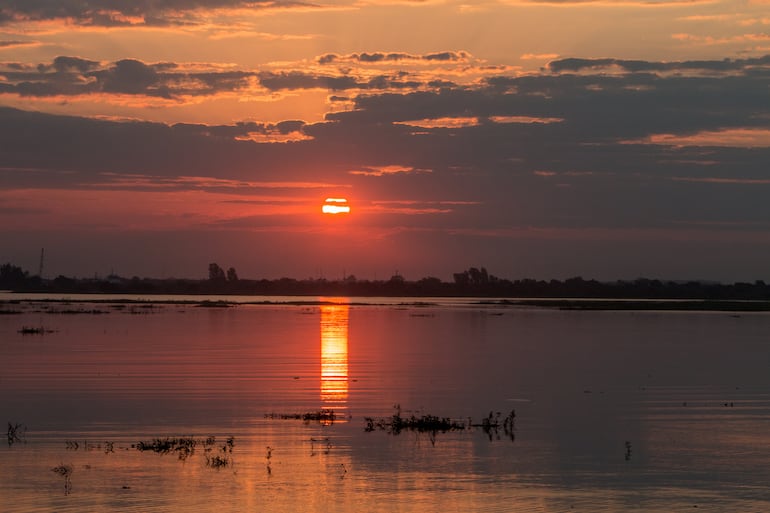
x: 727, y: 138
x: 611, y: 3
x: 637, y: 66
x: 276, y: 81
x: 76, y: 76
x: 386, y: 170
x: 700, y: 40
x: 569, y: 148
x: 111, y: 13
x: 389, y: 57
x: 8, y: 44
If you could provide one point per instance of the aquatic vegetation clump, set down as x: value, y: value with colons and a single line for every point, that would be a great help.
x: 184, y: 447
x: 422, y: 424
x: 16, y: 433
x: 324, y: 416
x: 35, y: 330
x: 223, y: 458
x: 433, y: 424
x: 491, y: 425
x: 65, y: 471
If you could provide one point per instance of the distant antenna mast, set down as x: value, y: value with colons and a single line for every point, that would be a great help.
x: 42, y: 257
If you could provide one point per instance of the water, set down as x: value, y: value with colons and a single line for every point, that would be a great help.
x: 648, y: 411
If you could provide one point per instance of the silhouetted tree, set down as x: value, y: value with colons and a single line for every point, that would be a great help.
x: 232, y: 276
x: 216, y: 273
x: 462, y: 279
x: 12, y: 276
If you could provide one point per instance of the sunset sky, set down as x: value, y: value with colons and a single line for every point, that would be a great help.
x: 545, y: 139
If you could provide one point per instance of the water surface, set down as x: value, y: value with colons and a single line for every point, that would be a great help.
x: 652, y: 411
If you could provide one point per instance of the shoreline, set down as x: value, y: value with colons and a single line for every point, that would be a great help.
x: 218, y: 301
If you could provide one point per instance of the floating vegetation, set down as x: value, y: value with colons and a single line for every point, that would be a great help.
x: 183, y: 447
x: 72, y: 445
x: 491, y: 425
x: 34, y: 330
x: 10, y: 312
x: 224, y: 458
x: 324, y: 416
x: 65, y: 471
x: 433, y: 425
x: 16, y: 433
x: 430, y: 424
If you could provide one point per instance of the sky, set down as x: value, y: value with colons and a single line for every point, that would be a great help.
x: 608, y: 139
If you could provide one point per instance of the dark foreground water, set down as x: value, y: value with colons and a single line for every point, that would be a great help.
x: 646, y: 411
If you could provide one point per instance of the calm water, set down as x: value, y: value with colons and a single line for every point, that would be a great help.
x: 646, y: 411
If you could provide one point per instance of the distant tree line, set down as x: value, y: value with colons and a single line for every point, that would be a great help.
x: 473, y: 282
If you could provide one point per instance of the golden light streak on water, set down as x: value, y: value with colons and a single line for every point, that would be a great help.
x: 334, y: 355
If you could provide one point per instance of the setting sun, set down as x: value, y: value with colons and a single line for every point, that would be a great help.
x: 335, y: 206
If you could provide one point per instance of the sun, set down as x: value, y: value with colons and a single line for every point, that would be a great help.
x: 335, y: 206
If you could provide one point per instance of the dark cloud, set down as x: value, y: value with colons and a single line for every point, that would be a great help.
x: 110, y: 13
x: 239, y: 130
x: 591, y: 166
x: 375, y: 57
x: 574, y: 64
x: 301, y: 80
x: 15, y: 43
x: 276, y: 81
x: 71, y: 76
x: 63, y: 64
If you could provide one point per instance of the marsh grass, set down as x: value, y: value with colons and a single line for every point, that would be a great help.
x: 323, y: 416
x: 35, y: 330
x: 16, y: 433
x: 65, y: 471
x: 432, y: 424
x: 224, y: 456
x: 184, y: 447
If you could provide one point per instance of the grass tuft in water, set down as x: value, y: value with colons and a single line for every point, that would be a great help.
x: 35, y: 330
x: 65, y: 471
x: 433, y: 424
x: 323, y: 416
x: 16, y: 433
x: 184, y: 447
x: 430, y: 424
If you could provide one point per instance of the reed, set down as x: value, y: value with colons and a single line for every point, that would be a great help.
x: 16, y: 433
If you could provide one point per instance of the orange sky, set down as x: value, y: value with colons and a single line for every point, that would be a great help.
x: 536, y: 138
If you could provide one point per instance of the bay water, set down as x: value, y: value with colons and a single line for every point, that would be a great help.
x: 394, y: 405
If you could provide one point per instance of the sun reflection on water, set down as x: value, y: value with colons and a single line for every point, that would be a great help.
x: 334, y: 355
